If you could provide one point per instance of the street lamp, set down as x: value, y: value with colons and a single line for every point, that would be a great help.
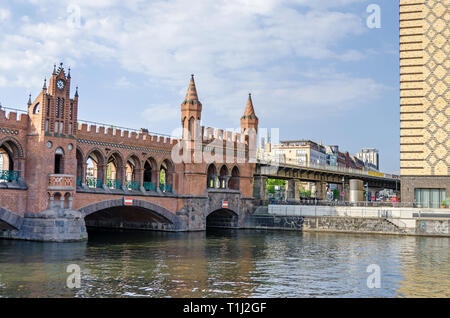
x: 343, y: 189
x: 367, y: 191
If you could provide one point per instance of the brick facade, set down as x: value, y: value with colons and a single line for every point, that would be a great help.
x: 50, y: 149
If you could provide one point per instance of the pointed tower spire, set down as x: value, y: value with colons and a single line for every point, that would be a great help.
x: 249, y: 110
x: 45, y: 84
x: 249, y: 119
x: 76, y: 92
x: 29, y: 100
x: 191, y: 111
x: 191, y: 94
x: 68, y: 75
x: 54, y: 69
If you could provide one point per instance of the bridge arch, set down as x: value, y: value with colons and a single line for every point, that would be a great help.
x: 234, y: 182
x: 167, y: 179
x: 150, y: 170
x: 10, y: 220
x: 94, y: 161
x: 222, y: 218
x: 211, y: 176
x: 144, y: 205
x: 11, y: 154
x: 133, y: 170
x: 115, y: 169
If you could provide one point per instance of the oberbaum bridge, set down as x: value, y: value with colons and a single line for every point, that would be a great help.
x: 60, y: 176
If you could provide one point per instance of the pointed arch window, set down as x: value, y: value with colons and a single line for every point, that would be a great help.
x: 57, y: 108
x: 62, y: 107
x: 71, y: 111
x: 48, y: 107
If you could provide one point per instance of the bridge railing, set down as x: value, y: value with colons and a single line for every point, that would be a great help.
x: 150, y: 186
x: 133, y: 185
x: 94, y: 182
x: 9, y: 176
x: 316, y: 202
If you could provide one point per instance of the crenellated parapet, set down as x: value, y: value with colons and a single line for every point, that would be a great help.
x: 124, y: 137
x: 12, y: 120
x: 218, y: 136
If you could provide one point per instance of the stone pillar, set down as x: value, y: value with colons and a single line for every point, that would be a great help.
x: 297, y: 190
x: 83, y: 173
x: 321, y: 190
x: 260, y: 187
x: 290, y: 190
x: 356, y: 190
x: 346, y: 192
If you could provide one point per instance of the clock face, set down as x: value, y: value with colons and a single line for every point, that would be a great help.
x: 60, y: 84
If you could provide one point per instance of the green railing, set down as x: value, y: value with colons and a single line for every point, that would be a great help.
x: 114, y: 184
x: 150, y: 186
x: 9, y: 175
x: 79, y: 181
x: 165, y: 187
x: 94, y: 182
x: 133, y: 185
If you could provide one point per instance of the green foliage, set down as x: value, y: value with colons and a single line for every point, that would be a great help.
x: 305, y: 193
x: 336, y: 194
x: 271, y: 183
x: 274, y: 182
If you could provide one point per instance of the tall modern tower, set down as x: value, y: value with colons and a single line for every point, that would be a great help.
x: 424, y: 101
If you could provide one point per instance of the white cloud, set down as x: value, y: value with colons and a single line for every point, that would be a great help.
x: 5, y: 15
x: 234, y: 46
x: 122, y: 82
x: 156, y: 114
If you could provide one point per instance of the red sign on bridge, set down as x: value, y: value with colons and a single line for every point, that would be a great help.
x: 128, y: 201
x: 225, y: 204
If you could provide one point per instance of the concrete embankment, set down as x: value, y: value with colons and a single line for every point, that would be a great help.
x: 399, y: 221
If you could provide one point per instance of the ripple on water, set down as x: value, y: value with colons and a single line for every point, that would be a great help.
x: 228, y: 264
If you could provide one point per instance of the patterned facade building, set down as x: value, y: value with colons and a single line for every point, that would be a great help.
x: 424, y: 101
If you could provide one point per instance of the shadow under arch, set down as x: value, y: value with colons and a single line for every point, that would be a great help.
x: 10, y: 220
x: 222, y: 218
x: 142, y: 215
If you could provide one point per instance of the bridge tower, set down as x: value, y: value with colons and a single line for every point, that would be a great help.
x: 51, y: 161
x: 249, y: 120
x: 191, y: 111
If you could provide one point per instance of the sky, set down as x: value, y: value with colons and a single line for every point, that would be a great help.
x: 315, y: 68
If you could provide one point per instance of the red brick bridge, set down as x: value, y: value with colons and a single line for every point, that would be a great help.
x: 55, y: 168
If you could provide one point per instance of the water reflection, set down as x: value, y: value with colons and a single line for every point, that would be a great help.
x: 227, y: 263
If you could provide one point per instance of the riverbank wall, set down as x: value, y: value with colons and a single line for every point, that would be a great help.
x: 397, y: 221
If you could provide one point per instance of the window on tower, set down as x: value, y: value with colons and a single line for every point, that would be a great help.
x: 57, y: 108
x: 62, y: 107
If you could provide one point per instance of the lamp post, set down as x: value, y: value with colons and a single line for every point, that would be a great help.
x: 343, y: 189
x: 367, y: 192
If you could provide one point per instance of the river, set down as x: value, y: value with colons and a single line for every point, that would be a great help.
x: 228, y: 263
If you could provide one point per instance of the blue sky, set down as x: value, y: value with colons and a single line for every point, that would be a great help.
x: 314, y: 68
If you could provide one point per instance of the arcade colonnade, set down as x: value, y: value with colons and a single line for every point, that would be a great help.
x: 113, y: 171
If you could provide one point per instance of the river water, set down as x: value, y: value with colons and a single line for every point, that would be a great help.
x: 228, y: 263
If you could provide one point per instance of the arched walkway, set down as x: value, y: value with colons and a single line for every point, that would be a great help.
x: 11, y: 159
x: 222, y: 218
x: 9, y: 220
